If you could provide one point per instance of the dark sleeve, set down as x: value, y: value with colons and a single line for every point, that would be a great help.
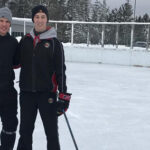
x: 16, y: 60
x: 60, y: 67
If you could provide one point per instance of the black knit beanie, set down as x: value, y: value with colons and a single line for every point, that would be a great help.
x: 40, y: 8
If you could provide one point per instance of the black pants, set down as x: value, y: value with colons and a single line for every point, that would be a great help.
x: 30, y: 103
x: 8, y: 114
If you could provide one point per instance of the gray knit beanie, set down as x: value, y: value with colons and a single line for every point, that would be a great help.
x: 6, y: 13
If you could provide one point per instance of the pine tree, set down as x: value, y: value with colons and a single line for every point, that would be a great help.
x: 24, y: 8
x: 113, y: 15
x: 99, y: 14
x: 146, y: 18
x: 141, y: 30
x: 12, y: 5
x: 72, y: 13
x: 78, y: 10
x: 3, y: 3
x: 125, y: 12
x: 100, y: 11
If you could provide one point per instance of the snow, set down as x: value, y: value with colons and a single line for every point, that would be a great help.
x: 109, y: 108
x: 110, y: 105
x: 122, y: 55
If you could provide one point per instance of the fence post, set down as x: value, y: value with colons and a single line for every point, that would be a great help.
x: 132, y: 36
x: 147, y: 39
x: 103, y: 35
x: 24, y: 30
x: 56, y: 26
x: 117, y: 35
x: 72, y: 33
x: 88, y: 35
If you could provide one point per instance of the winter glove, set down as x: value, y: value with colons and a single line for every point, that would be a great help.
x: 63, y: 103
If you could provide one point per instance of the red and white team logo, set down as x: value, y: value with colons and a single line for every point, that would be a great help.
x: 47, y: 45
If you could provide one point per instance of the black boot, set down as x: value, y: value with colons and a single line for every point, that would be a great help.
x: 7, y: 140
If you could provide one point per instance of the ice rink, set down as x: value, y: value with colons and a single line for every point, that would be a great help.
x: 109, y: 109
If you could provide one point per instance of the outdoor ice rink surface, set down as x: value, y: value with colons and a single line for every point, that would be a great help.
x: 109, y: 109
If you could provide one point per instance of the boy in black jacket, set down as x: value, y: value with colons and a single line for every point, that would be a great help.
x: 8, y: 94
x: 42, y: 75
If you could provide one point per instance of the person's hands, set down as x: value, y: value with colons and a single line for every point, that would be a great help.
x: 63, y: 103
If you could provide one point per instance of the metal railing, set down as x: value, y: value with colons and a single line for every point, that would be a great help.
x: 28, y: 23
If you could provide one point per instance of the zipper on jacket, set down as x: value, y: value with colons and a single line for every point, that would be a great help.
x: 33, y: 71
x: 36, y: 40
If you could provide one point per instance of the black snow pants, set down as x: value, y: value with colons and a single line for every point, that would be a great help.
x: 8, y: 114
x: 30, y: 104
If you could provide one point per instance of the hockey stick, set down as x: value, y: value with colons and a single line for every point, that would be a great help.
x: 74, y: 141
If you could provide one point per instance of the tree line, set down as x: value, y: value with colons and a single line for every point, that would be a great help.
x: 85, y: 10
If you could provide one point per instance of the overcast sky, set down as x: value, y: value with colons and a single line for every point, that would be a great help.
x: 142, y: 6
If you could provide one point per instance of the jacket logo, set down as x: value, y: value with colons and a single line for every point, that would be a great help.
x: 50, y: 100
x: 47, y: 45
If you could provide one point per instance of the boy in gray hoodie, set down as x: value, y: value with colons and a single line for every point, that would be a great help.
x: 42, y: 76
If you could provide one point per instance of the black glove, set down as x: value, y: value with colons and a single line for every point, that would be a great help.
x: 63, y: 103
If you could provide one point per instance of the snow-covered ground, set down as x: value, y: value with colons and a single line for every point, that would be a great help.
x: 109, y: 110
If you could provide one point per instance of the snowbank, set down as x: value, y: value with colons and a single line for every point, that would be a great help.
x: 107, y: 55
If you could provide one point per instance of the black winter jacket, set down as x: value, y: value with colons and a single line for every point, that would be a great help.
x: 42, y: 63
x: 8, y: 60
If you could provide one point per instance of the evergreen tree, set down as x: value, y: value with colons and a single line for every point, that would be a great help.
x: 61, y: 15
x: 100, y: 11
x: 72, y: 10
x: 141, y: 30
x: 78, y: 10
x: 113, y: 15
x: 12, y: 4
x: 81, y: 30
x: 3, y: 3
x: 146, y: 18
x: 82, y: 9
x: 125, y: 12
x: 99, y: 14
x: 24, y: 8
